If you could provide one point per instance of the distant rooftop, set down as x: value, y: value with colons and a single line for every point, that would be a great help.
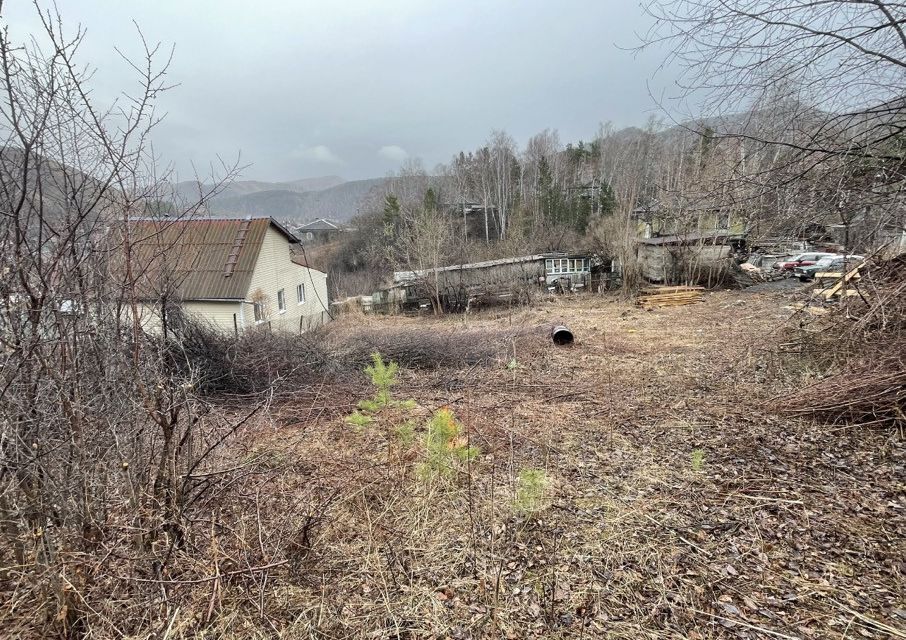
x: 321, y: 224
x: 408, y: 276
x: 690, y: 237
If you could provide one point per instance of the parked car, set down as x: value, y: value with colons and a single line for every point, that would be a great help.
x: 828, y: 263
x: 802, y: 260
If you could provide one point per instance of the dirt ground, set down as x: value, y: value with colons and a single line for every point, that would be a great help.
x: 675, y: 502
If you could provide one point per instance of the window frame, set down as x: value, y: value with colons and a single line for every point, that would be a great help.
x: 281, y: 300
x: 300, y: 293
x: 258, y: 312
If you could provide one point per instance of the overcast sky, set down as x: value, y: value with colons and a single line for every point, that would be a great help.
x: 351, y: 87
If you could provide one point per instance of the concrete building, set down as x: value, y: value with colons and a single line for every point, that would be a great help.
x: 687, y: 258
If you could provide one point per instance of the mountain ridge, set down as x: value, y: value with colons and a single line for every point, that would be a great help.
x: 300, y: 200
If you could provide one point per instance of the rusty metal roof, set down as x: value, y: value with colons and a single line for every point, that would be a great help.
x: 199, y: 259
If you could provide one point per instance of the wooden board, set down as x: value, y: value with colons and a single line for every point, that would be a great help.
x: 836, y: 288
x: 665, y: 289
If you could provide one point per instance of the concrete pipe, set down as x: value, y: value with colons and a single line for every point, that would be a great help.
x: 561, y: 335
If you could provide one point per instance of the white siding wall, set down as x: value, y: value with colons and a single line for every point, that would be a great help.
x: 217, y: 314
x: 275, y: 271
x: 149, y: 317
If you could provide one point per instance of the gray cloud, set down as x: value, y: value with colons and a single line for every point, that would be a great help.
x: 319, y: 154
x: 346, y: 77
x: 393, y: 152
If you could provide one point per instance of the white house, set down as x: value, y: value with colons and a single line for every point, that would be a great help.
x: 234, y: 274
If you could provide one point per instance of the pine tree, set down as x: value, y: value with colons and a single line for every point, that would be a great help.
x: 430, y: 200
x: 607, y: 200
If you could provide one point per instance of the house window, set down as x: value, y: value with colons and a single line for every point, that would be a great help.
x: 300, y: 293
x: 281, y: 300
x: 723, y: 221
x: 259, y: 312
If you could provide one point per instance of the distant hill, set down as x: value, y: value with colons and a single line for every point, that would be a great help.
x: 305, y: 199
x: 334, y: 198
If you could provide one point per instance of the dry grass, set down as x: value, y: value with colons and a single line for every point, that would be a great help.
x: 781, y: 529
x: 785, y: 530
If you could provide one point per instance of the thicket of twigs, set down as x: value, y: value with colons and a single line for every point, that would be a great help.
x: 866, y: 337
x: 258, y: 360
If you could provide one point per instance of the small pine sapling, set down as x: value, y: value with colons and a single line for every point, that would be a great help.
x: 698, y: 460
x: 444, y: 445
x: 359, y: 420
x: 383, y: 376
x: 531, y: 485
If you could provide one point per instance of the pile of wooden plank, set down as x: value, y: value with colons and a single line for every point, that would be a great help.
x: 837, y: 284
x: 652, y: 297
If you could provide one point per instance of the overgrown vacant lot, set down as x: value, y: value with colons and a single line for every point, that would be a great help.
x: 636, y: 484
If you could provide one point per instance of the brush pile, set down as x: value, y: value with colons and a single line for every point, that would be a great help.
x: 419, y: 347
x: 868, y: 334
x: 871, y: 393
x: 257, y: 360
x: 653, y: 297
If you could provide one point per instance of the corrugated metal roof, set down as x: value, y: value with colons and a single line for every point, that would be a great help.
x: 190, y: 257
x: 408, y: 276
x: 688, y: 237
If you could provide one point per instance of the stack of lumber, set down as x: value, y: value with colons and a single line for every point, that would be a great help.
x: 652, y: 297
x: 840, y: 287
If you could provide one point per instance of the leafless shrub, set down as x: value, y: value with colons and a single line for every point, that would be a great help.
x: 253, y: 362
x: 114, y: 492
x: 863, y: 345
x: 870, y: 392
x: 258, y: 361
x: 421, y: 347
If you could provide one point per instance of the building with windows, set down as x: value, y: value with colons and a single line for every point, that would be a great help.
x: 234, y: 274
x: 460, y: 286
x: 686, y: 241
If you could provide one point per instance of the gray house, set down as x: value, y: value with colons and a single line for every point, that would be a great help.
x: 320, y: 231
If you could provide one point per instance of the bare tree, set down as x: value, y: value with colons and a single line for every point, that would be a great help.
x: 102, y: 436
x: 801, y: 84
